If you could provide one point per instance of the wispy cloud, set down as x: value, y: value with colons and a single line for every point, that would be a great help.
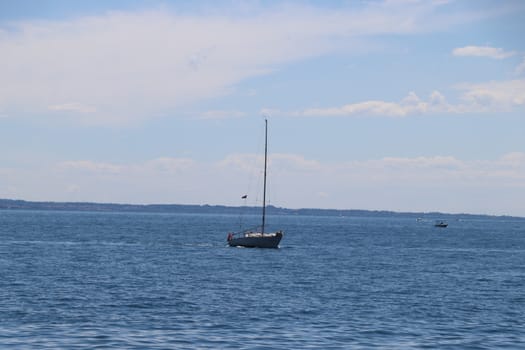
x: 411, y: 104
x: 123, y: 67
x: 483, y: 51
x: 492, y: 96
x: 495, y: 96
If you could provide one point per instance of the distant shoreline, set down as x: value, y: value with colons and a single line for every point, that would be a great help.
x: 14, y: 204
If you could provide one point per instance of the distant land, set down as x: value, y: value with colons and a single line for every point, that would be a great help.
x: 12, y: 204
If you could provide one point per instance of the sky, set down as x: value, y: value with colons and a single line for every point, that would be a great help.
x: 400, y: 105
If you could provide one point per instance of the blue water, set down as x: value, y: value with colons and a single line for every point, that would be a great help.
x: 168, y: 281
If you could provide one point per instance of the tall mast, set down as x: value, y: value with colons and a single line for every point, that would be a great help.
x: 265, y: 164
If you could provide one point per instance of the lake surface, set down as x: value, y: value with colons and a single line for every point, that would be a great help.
x: 76, y: 280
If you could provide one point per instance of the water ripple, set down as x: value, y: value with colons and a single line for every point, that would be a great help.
x: 138, y: 281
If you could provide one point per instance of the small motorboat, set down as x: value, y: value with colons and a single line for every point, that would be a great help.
x: 441, y: 224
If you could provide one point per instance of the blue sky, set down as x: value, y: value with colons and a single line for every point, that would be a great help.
x: 388, y: 105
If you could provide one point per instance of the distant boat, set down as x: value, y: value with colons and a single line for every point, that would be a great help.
x: 258, y: 238
x: 441, y: 224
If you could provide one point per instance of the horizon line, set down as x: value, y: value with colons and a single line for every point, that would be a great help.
x: 41, y: 202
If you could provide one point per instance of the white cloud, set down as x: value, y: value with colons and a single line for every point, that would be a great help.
x: 125, y: 67
x: 514, y: 159
x: 483, y: 51
x: 495, y: 96
x: 411, y: 104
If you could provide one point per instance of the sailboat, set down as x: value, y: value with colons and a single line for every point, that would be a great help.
x: 258, y: 238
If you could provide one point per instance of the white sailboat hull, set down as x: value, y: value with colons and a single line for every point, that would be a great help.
x: 256, y: 240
